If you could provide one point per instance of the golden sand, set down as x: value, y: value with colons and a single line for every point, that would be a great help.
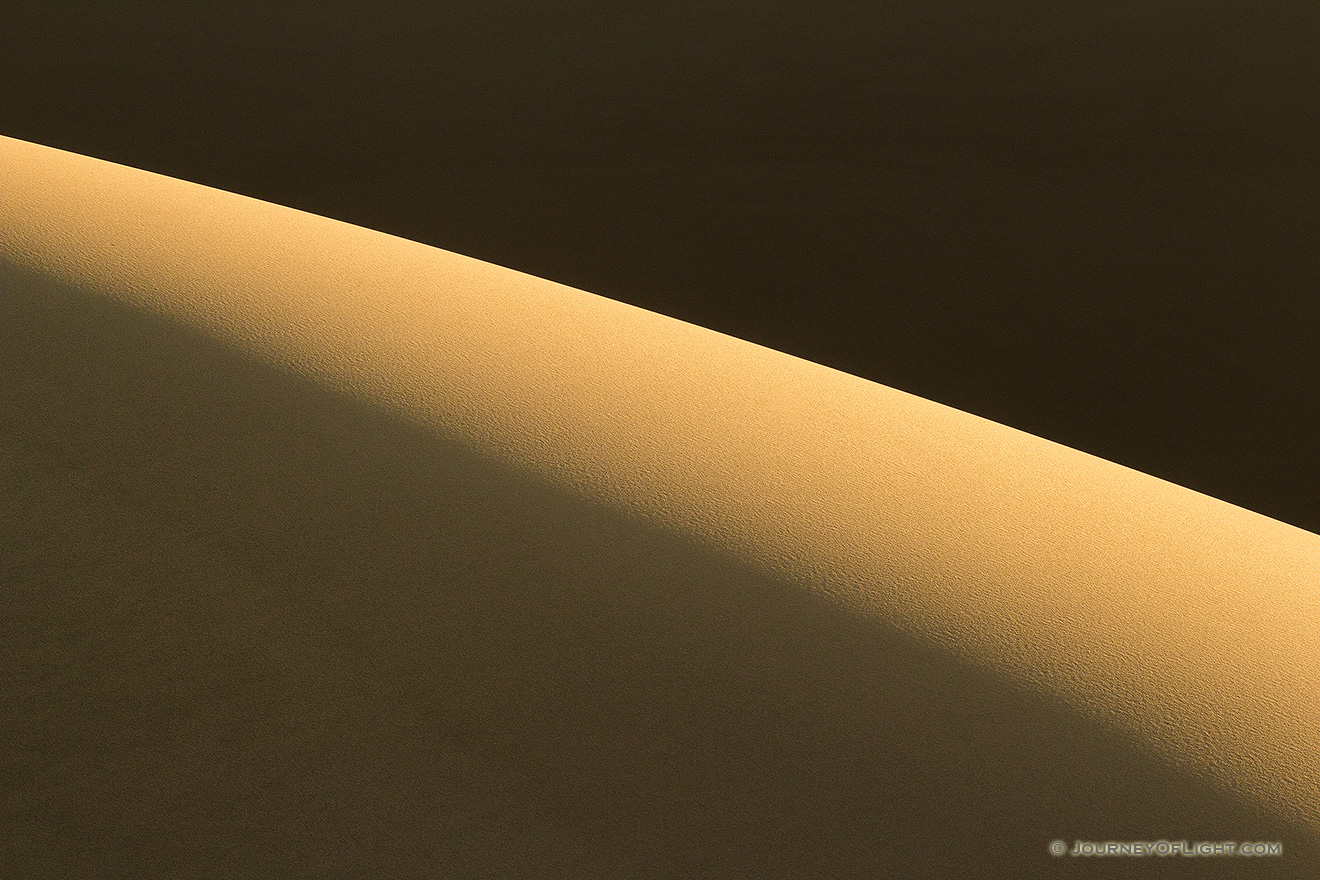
x: 318, y: 529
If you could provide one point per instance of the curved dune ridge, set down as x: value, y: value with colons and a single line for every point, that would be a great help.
x: 332, y: 552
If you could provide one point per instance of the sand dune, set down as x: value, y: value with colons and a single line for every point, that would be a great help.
x: 331, y: 553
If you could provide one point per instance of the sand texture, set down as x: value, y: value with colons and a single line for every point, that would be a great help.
x: 328, y: 553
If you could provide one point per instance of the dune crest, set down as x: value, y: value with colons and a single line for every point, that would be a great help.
x: 921, y: 599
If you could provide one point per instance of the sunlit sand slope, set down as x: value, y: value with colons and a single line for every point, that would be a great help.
x: 329, y: 553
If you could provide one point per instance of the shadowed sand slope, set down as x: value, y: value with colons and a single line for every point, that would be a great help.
x: 328, y: 553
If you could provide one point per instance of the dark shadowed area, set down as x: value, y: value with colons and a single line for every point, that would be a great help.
x: 252, y: 628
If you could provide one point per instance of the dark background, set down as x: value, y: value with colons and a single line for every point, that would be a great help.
x: 1096, y: 222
